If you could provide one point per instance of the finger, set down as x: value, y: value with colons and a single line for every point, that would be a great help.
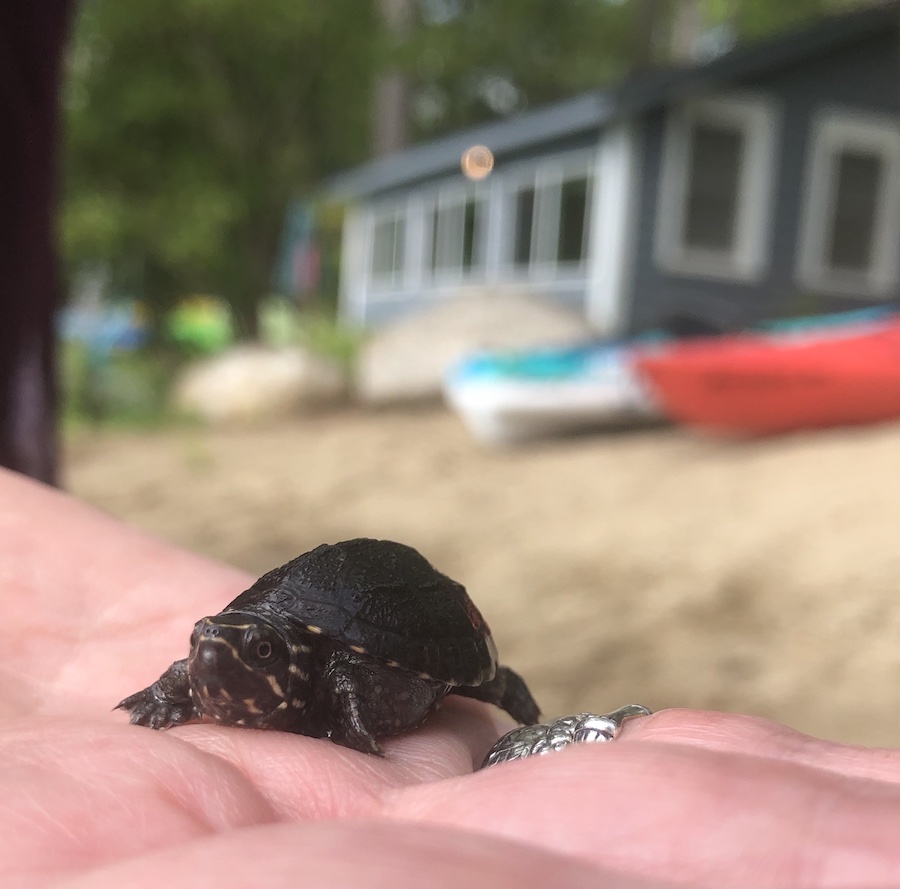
x: 730, y: 732
x: 93, y: 609
x: 86, y: 793
x: 316, y: 778
x: 453, y: 741
x: 365, y: 855
x: 76, y: 795
x: 673, y: 811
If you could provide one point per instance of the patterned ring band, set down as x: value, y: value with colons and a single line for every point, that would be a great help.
x: 536, y: 740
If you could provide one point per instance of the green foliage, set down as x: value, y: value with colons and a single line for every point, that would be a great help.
x: 528, y: 52
x: 321, y: 333
x: 283, y: 324
x: 200, y: 326
x: 117, y: 388
x: 191, y: 124
x: 756, y: 18
x: 498, y: 56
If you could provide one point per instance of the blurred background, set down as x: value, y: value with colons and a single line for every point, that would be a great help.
x: 271, y: 258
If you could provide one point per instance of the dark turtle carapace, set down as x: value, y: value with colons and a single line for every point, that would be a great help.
x: 352, y: 641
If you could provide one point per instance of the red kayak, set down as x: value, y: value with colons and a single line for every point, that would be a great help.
x: 771, y: 383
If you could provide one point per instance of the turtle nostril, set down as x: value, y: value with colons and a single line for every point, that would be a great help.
x: 211, y: 632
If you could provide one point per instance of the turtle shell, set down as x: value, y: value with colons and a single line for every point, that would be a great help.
x: 383, y: 599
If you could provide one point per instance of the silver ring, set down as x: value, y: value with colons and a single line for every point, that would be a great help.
x: 536, y: 740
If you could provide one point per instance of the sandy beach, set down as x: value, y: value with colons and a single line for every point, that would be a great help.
x: 647, y: 566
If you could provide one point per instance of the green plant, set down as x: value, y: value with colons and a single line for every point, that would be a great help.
x: 116, y: 387
x: 329, y: 337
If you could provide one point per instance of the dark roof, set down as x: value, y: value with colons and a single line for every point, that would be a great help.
x: 635, y: 94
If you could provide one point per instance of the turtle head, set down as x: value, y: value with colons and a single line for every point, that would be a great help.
x: 241, y: 671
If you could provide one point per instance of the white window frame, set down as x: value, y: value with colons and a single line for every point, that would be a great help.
x: 455, y: 198
x: 613, y: 229
x: 354, y: 280
x: 547, y: 179
x: 832, y: 131
x: 758, y: 120
x: 386, y: 283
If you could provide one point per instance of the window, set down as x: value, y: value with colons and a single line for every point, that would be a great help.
x: 858, y: 177
x: 715, y: 188
x: 550, y: 220
x: 471, y: 242
x: 388, y: 248
x: 851, y: 221
x: 715, y: 180
x: 456, y: 236
x: 524, y: 225
x: 573, y: 207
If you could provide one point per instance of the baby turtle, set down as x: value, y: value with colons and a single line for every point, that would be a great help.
x: 352, y: 641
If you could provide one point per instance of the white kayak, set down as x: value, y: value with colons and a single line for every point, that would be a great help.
x: 511, y: 397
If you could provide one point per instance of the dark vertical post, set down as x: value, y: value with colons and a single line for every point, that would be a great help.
x: 32, y: 36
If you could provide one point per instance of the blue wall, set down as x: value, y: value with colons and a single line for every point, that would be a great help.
x: 865, y: 76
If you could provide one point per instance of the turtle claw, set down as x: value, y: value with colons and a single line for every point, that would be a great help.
x: 145, y: 708
x: 165, y: 703
x: 360, y: 741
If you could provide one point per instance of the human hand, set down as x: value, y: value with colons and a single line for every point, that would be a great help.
x: 93, y: 610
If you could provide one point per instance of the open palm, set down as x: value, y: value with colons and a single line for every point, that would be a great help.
x: 93, y: 610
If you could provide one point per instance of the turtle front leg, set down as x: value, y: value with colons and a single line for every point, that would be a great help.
x: 165, y: 703
x: 369, y: 700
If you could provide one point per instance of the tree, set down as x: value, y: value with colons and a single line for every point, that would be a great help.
x: 390, y: 99
x: 193, y: 123
x: 473, y: 60
x: 745, y: 19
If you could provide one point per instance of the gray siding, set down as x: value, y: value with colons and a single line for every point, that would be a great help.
x: 864, y: 76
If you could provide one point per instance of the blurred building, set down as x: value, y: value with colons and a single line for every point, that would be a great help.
x: 763, y: 183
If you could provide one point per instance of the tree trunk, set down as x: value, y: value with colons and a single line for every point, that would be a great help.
x: 390, y: 105
x: 32, y: 35
x: 160, y: 293
x: 251, y: 281
x: 688, y: 25
x: 648, y: 14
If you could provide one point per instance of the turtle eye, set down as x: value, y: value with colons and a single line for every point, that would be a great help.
x: 260, y: 651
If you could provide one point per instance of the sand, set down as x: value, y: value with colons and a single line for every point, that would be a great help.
x: 649, y: 566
